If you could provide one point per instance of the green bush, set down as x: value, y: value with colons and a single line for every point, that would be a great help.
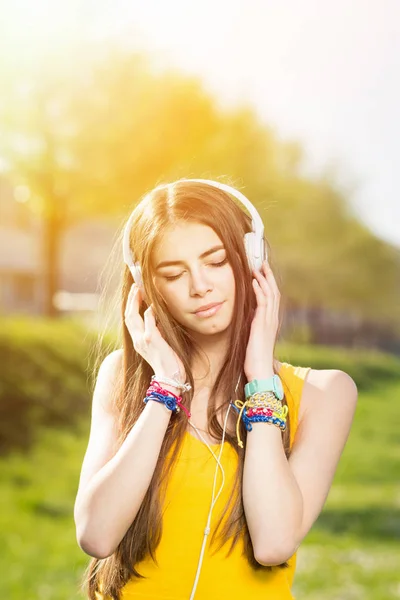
x: 45, y: 368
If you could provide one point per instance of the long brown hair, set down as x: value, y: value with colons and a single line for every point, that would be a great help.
x: 166, y: 205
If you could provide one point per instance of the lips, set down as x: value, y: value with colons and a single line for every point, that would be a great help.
x: 207, y: 306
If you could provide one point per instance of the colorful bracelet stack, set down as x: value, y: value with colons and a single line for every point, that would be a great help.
x: 159, y: 394
x: 260, y: 406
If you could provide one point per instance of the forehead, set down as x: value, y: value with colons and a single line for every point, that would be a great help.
x: 184, y: 241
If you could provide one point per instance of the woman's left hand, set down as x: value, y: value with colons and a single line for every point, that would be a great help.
x: 258, y: 362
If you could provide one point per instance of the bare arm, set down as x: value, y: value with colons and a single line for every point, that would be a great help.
x: 283, y: 498
x: 112, y: 486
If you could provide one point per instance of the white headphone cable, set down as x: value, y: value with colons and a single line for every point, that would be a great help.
x: 207, y: 529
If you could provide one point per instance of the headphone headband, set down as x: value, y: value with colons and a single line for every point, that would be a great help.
x: 254, y: 240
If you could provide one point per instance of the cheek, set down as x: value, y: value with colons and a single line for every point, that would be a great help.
x: 172, y: 296
x: 227, y: 282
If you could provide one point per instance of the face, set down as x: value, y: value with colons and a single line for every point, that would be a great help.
x: 191, y: 270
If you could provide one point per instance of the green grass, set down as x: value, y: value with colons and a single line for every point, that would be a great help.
x: 352, y: 552
x: 40, y: 558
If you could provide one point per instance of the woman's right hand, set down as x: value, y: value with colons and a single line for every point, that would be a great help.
x: 148, y: 341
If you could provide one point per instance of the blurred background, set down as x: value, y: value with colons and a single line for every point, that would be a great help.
x: 294, y: 103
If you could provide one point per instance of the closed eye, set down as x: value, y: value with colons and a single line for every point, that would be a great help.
x: 219, y: 264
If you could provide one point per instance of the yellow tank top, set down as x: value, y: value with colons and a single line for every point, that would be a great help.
x: 187, y: 503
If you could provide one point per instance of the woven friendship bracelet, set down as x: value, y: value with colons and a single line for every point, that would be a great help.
x: 260, y: 407
x: 159, y: 394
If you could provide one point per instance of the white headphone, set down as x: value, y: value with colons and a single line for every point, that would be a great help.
x: 256, y: 252
x: 253, y: 241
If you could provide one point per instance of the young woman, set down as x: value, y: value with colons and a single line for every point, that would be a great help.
x: 194, y: 402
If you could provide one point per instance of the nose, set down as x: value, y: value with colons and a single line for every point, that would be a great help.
x: 200, y: 284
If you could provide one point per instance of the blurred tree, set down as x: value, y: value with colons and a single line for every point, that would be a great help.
x: 92, y: 134
x: 92, y: 139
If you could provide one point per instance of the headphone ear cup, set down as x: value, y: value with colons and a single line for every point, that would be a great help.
x: 247, y: 247
x: 253, y: 250
x: 249, y: 241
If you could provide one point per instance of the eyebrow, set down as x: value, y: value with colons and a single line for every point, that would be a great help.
x: 169, y: 263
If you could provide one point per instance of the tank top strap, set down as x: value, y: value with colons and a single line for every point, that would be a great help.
x: 293, y: 378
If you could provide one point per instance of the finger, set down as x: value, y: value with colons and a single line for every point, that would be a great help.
x: 268, y: 280
x: 269, y: 274
x: 264, y: 284
x: 260, y: 296
x: 270, y: 300
x: 273, y: 311
x: 136, y: 324
x: 129, y: 302
x: 149, y: 323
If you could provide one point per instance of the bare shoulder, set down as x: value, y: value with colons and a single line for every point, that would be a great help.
x: 113, y: 361
x: 114, y: 358
x: 321, y: 384
x: 107, y: 378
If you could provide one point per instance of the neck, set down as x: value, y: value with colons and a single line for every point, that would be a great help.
x: 207, y: 365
